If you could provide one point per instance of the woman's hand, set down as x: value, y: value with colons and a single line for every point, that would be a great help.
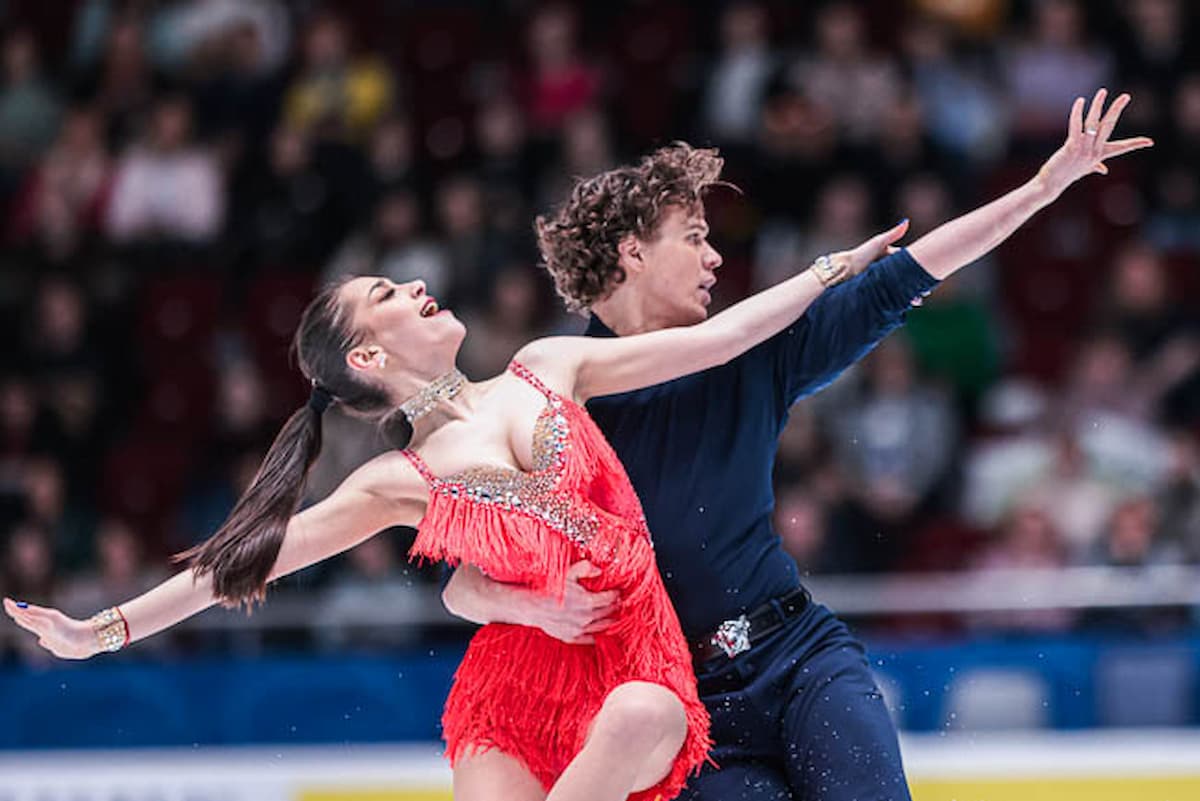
x: 874, y: 249
x: 1088, y: 144
x: 65, y: 637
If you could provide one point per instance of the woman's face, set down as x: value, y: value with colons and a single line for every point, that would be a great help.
x: 403, y: 322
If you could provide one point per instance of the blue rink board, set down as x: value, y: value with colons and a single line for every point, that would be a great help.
x: 1083, y: 682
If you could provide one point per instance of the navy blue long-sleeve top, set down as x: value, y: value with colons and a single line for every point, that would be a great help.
x: 700, y: 450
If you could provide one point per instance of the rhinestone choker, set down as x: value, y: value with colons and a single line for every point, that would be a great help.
x: 443, y: 387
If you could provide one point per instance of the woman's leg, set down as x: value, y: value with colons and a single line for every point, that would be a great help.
x: 632, y: 745
x: 493, y: 775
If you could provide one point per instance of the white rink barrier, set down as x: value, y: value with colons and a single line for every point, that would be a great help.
x: 1150, y: 765
x: 1093, y: 765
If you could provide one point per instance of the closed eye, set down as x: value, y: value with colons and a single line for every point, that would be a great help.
x: 387, y: 295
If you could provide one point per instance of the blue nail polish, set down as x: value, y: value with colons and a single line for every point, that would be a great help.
x: 22, y: 605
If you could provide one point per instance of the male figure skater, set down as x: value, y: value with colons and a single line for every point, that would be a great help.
x: 795, y: 710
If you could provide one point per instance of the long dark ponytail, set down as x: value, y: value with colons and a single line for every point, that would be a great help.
x: 243, y: 551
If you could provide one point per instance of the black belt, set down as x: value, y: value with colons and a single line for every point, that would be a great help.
x: 737, y: 635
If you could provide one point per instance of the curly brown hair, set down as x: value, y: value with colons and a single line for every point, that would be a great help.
x: 578, y: 241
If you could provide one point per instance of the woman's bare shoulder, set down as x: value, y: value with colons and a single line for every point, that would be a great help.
x: 390, y: 476
x: 554, y: 360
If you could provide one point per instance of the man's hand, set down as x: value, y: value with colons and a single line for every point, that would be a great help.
x: 1088, y: 144
x: 953, y: 245
x: 581, y: 614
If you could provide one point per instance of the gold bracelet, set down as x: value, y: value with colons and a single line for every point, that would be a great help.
x: 112, y: 630
x: 832, y: 270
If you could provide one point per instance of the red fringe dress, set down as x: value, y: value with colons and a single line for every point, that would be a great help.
x: 518, y: 689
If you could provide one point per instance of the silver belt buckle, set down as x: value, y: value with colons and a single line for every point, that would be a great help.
x: 733, y: 636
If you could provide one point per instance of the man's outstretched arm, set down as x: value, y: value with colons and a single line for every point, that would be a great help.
x: 965, y: 239
x: 845, y: 323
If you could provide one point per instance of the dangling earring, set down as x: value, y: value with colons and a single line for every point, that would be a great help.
x: 381, y: 359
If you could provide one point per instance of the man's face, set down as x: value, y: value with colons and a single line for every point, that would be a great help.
x: 679, y: 269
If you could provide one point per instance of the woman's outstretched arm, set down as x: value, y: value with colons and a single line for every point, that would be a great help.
x: 593, y: 366
x: 369, y: 500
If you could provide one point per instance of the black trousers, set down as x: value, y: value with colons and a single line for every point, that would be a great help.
x: 799, y: 716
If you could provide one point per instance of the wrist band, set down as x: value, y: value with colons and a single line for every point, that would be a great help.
x: 831, y: 270
x: 112, y: 629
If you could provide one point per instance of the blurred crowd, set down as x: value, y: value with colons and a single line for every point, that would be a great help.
x: 176, y: 176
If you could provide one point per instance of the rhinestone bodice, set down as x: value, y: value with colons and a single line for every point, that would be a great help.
x: 539, y: 494
x: 549, y: 443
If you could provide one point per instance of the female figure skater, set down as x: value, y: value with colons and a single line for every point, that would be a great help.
x: 513, y: 477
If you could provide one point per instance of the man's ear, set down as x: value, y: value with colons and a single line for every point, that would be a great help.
x: 629, y: 255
